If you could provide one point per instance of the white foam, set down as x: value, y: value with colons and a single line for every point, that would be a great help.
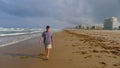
x: 14, y: 42
x: 12, y: 34
x: 18, y: 29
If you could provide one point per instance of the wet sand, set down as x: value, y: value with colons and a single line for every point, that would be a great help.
x: 72, y: 48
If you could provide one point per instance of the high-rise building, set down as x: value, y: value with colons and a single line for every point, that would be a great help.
x: 111, y: 23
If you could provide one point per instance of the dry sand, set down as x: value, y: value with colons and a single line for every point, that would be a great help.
x: 71, y: 49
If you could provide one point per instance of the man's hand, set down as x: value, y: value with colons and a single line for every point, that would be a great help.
x: 41, y: 39
x: 52, y: 40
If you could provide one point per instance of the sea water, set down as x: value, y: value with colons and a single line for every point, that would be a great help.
x: 9, y: 36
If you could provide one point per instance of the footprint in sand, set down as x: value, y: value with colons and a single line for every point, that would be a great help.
x: 118, y: 50
x: 81, y: 40
x: 116, y: 65
x: 84, y: 52
x: 103, y: 64
x: 104, y: 51
x: 95, y: 51
x: 115, y: 52
x: 88, y: 56
x: 90, y: 47
x: 85, y: 41
x: 73, y: 45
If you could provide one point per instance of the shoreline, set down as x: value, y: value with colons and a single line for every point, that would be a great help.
x: 19, y: 55
x: 18, y: 39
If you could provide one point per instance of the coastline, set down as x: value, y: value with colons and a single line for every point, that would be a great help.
x: 13, y: 39
x: 71, y: 49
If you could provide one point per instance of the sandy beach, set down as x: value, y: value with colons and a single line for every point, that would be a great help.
x: 71, y: 49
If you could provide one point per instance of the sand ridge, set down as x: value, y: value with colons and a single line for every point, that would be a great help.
x: 95, y: 49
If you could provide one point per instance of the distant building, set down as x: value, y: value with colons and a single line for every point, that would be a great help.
x: 77, y: 27
x: 96, y: 27
x: 111, y: 23
x: 89, y: 27
x: 82, y: 26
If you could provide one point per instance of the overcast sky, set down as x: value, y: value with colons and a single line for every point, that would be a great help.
x: 56, y: 13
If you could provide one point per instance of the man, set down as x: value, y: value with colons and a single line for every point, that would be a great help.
x: 47, y: 40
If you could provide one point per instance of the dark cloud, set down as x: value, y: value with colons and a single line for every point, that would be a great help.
x: 59, y: 13
x: 22, y: 8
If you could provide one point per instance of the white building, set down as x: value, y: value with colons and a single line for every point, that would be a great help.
x: 111, y: 23
x: 82, y: 26
x: 97, y: 27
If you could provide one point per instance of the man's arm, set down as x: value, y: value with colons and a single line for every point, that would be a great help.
x: 41, y: 39
x: 52, y: 40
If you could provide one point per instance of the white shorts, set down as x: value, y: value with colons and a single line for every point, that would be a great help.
x: 48, y: 46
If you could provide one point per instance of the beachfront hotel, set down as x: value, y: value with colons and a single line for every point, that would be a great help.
x: 111, y: 23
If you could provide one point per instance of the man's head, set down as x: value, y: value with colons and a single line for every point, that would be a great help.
x: 47, y: 28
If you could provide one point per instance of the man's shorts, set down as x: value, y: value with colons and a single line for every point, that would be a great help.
x: 48, y: 46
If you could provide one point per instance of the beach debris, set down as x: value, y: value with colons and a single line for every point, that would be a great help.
x: 24, y: 57
x: 41, y: 54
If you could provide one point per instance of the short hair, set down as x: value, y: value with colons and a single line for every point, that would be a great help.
x: 47, y: 27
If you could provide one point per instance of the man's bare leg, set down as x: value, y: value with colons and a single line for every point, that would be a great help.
x: 47, y: 52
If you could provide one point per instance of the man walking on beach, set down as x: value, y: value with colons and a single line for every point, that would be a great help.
x: 47, y: 40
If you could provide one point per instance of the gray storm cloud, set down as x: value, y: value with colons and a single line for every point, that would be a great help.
x: 61, y: 12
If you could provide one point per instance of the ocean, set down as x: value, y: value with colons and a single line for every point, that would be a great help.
x: 9, y: 36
